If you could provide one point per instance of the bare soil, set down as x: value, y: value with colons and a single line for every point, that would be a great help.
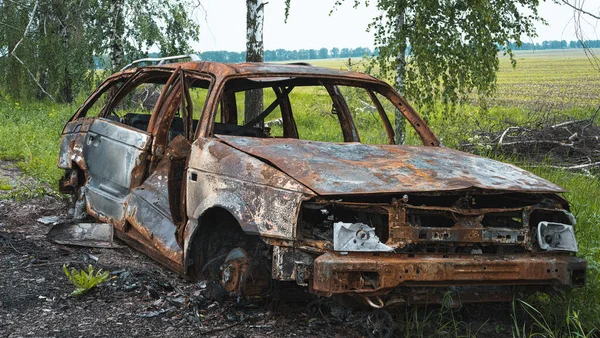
x: 144, y: 299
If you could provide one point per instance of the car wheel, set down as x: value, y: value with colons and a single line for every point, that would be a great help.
x: 240, y: 263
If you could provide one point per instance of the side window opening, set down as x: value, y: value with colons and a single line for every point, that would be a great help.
x: 365, y: 113
x: 272, y: 123
x: 309, y: 109
x: 136, y: 107
x: 303, y: 110
x: 137, y: 104
x: 315, y: 115
x: 95, y: 107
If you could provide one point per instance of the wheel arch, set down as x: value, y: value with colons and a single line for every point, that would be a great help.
x: 197, y: 229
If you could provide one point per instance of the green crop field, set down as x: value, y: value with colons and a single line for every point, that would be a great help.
x: 555, y: 85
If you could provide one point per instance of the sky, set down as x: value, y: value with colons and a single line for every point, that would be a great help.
x: 223, y: 24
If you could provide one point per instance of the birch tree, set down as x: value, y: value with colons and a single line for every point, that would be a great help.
x: 128, y: 29
x: 254, y: 53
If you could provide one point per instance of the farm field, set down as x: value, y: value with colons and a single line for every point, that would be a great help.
x: 545, y: 79
x: 545, y: 87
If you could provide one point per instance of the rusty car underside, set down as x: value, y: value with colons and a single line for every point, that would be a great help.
x: 208, y: 196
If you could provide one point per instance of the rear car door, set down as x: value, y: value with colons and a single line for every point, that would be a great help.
x: 112, y: 150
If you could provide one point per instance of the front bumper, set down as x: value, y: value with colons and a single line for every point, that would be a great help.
x: 378, y: 273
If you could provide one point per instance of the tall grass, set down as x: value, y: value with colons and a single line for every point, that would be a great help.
x: 30, y: 134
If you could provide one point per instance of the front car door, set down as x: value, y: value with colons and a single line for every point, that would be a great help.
x: 154, y: 207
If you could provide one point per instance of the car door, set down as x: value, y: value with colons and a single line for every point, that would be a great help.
x: 114, y: 148
x: 112, y: 152
x: 153, y: 207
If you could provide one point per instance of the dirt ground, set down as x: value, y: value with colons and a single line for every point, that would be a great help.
x: 144, y: 299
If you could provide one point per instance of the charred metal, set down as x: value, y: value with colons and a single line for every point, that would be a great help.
x: 158, y: 153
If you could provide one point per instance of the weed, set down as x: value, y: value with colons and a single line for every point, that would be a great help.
x: 5, y: 185
x: 84, y: 281
x: 559, y: 322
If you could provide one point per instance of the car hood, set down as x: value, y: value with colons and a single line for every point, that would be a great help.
x: 354, y: 168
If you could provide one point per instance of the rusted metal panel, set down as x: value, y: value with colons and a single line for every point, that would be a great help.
x: 353, y: 168
x: 71, y: 143
x: 148, y: 207
x: 378, y: 273
x: 264, y: 200
x: 290, y: 264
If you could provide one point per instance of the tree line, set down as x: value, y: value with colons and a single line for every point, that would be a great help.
x: 554, y: 44
x: 269, y: 55
x: 288, y: 55
x: 334, y: 53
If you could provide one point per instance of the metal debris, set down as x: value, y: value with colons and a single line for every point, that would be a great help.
x: 50, y: 220
x: 356, y: 237
x: 94, y: 235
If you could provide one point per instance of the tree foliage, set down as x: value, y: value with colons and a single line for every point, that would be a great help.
x: 141, y: 26
x: 47, y: 47
x: 45, y: 43
x: 450, y: 47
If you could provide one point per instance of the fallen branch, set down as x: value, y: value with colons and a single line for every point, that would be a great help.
x: 568, y: 123
x: 558, y: 143
x: 571, y: 145
x: 574, y: 167
x: 582, y: 166
x: 504, y: 134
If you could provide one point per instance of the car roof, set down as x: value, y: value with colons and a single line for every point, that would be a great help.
x: 258, y: 69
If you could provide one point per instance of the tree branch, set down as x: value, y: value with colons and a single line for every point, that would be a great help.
x: 566, y: 2
x: 9, y: 26
x: 32, y: 76
x: 31, y: 16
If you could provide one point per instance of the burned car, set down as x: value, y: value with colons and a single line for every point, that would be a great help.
x: 318, y: 195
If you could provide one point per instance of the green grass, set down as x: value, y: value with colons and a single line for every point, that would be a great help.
x: 30, y: 135
x: 584, y: 197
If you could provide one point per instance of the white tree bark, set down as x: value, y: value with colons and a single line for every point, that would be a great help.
x: 117, y: 30
x: 254, y: 53
x: 400, y: 121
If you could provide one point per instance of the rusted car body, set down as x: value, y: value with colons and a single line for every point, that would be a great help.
x: 204, y: 194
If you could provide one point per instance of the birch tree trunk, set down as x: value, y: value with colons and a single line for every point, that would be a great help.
x: 254, y: 53
x: 117, y: 30
x: 400, y: 121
